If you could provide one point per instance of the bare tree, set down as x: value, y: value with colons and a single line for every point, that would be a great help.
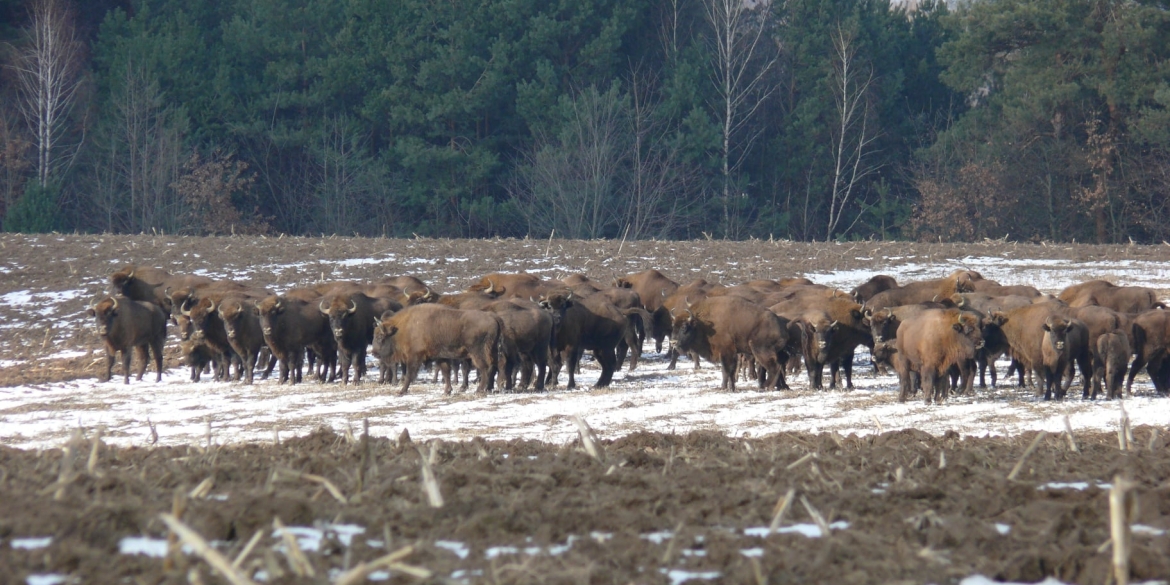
x: 48, y: 78
x: 853, y: 137
x: 139, y: 153
x: 569, y: 183
x: 743, y: 58
x: 660, y: 183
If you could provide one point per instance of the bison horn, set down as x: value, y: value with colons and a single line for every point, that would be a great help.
x: 321, y: 307
x: 834, y: 324
x: 868, y: 313
x: 279, y: 303
x: 167, y: 293
x: 211, y: 309
x: 687, y: 300
x: 132, y: 271
x: 690, y: 315
x: 115, y: 307
x: 664, y: 293
x: 570, y: 297
x: 183, y: 308
x: 491, y: 287
x: 353, y: 307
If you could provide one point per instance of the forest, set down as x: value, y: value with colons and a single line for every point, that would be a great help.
x: 814, y: 120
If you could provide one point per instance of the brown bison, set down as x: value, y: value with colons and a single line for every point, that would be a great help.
x: 1024, y: 329
x: 840, y: 327
x: 351, y: 319
x: 931, y: 344
x: 1123, y: 299
x: 124, y: 325
x: 925, y: 291
x: 522, y: 285
x: 722, y: 328
x: 434, y: 332
x: 1110, y: 361
x: 653, y: 288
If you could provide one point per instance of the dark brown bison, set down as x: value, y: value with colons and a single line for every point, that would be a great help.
x: 123, y: 325
x: 1065, y: 341
x: 207, y: 328
x: 722, y: 328
x: 1123, y: 299
x: 406, y: 284
x: 528, y: 332
x: 151, y: 284
x: 351, y: 319
x: 427, y: 332
x: 1111, y: 359
x: 196, y: 356
x: 291, y: 326
x: 930, y: 345
x: 840, y: 328
x: 871, y: 287
x: 242, y: 327
x: 582, y: 324
x: 1150, y: 342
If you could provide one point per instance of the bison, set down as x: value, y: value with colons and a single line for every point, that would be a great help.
x: 124, y: 325
x: 435, y: 332
x: 151, y: 284
x: 653, y: 288
x: 242, y: 327
x: 1150, y: 342
x: 931, y: 344
x: 925, y: 291
x: 871, y: 287
x: 1064, y: 341
x: 351, y: 319
x: 582, y: 324
x: 290, y: 326
x: 722, y: 328
x: 1110, y: 361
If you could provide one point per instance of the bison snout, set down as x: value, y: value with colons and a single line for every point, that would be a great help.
x: 1059, y: 345
x: 979, y: 344
x: 266, y: 331
x: 338, y: 332
x: 103, y: 330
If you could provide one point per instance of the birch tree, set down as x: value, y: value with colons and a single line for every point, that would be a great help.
x: 744, y: 54
x: 48, y: 73
x: 853, y: 135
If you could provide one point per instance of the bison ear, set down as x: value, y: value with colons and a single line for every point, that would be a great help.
x: 958, y: 327
x: 391, y: 330
x: 856, y: 315
x: 91, y: 312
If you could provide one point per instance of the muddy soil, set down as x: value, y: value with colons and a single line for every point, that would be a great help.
x: 904, y: 507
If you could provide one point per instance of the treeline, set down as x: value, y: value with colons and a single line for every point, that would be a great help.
x: 804, y: 119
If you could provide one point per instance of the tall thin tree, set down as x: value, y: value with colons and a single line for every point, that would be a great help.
x: 854, y: 135
x: 744, y: 54
x: 48, y: 76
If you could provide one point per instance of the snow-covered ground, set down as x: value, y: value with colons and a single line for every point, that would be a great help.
x: 650, y: 398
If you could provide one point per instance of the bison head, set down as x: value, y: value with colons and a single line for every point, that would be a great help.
x: 121, y: 279
x: 230, y: 313
x: 883, y: 352
x: 384, y: 338
x: 686, y: 331
x: 103, y: 314
x: 200, y: 316
x: 818, y: 334
x: 268, y: 311
x: 880, y: 324
x: 1056, y: 331
x: 338, y: 309
x: 969, y: 325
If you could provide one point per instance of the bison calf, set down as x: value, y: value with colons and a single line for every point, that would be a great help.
x: 1113, y: 351
x: 124, y: 325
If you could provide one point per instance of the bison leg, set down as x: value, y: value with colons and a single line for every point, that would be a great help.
x: 728, y: 365
x: 847, y: 367
x: 126, y: 355
x: 931, y: 381
x: 144, y: 359
x: 408, y: 377
x: 816, y: 372
x: 607, y: 359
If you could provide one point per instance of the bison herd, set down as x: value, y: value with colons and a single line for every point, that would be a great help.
x: 518, y: 330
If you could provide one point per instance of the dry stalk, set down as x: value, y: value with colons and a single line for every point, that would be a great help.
x: 65, y: 473
x: 1123, y: 434
x: 430, y: 484
x: 588, y: 439
x: 247, y: 550
x: 1153, y: 439
x: 801, y: 461
x: 212, y: 556
x: 942, y: 459
x: 153, y: 432
x: 317, y: 479
x: 91, y: 465
x: 877, y: 422
x: 359, y: 573
x: 781, y: 508
x: 1072, y: 443
x: 758, y: 571
x: 200, y: 491
x: 178, y: 508
x: 669, y: 552
x: 1032, y: 447
x: 1119, y: 528
x: 296, y: 557
x: 816, y: 516
x: 550, y: 238
x: 669, y: 462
